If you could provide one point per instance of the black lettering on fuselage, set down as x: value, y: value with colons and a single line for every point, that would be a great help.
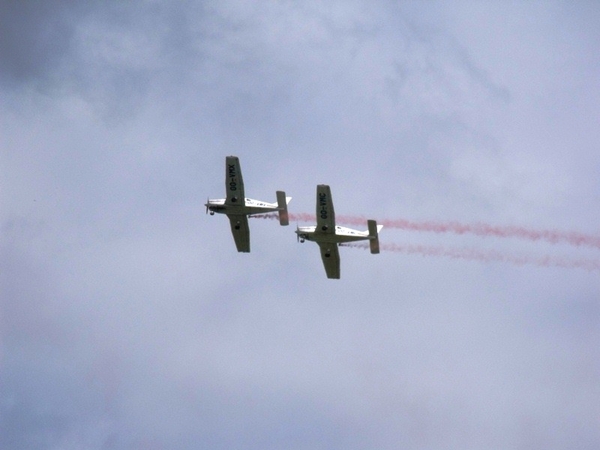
x: 232, y: 177
x: 323, y: 205
x: 322, y: 199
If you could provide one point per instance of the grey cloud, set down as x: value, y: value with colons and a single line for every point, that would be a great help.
x: 128, y: 319
x: 35, y: 36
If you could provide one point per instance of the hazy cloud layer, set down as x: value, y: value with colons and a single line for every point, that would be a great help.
x: 127, y: 319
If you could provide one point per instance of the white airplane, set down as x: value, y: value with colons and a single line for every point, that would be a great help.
x: 238, y: 207
x: 328, y: 235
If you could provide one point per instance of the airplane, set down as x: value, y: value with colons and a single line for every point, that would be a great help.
x: 237, y: 207
x: 328, y: 235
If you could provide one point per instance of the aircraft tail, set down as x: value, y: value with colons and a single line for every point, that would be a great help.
x: 374, y: 235
x: 282, y: 202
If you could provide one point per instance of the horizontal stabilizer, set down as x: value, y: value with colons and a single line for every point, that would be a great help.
x: 282, y: 202
x: 374, y: 235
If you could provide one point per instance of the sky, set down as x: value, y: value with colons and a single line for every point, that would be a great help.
x: 129, y: 321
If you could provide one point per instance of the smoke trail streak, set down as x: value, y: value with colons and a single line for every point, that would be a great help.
x: 471, y: 254
x: 486, y: 230
x: 479, y: 229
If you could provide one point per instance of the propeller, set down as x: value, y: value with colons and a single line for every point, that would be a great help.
x: 207, y: 200
x: 300, y: 237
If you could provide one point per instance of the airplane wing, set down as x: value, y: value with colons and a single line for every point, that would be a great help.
x: 325, y: 212
x: 234, y: 183
x: 241, y: 232
x: 331, y: 259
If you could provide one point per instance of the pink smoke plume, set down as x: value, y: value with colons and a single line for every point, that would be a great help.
x: 479, y: 229
x: 471, y: 254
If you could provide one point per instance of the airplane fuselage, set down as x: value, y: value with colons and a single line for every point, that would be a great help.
x: 341, y: 235
x: 249, y: 207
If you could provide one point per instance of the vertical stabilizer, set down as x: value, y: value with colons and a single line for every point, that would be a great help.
x: 374, y: 235
x: 282, y: 202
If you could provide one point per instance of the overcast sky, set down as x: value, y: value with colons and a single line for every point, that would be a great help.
x: 129, y: 321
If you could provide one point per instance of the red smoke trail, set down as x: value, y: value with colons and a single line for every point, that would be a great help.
x: 479, y: 229
x: 482, y: 229
x: 471, y: 254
